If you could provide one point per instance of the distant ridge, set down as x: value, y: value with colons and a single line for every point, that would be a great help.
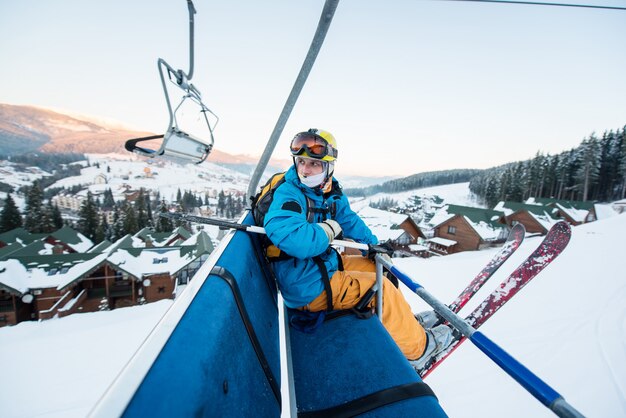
x: 26, y: 129
x: 416, y: 181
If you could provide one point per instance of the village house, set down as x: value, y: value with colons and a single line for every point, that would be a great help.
x: 68, y: 201
x: 577, y: 212
x: 535, y: 218
x: 462, y: 228
x: 162, y: 239
x: 18, y: 236
x: 108, y: 276
x: 574, y: 212
x: 619, y: 206
x: 100, y: 179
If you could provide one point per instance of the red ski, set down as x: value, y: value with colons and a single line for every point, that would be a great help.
x: 552, y: 245
x: 512, y: 243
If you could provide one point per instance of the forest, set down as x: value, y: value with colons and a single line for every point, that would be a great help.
x: 416, y: 181
x: 593, y: 171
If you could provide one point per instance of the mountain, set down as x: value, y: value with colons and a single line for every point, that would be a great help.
x: 28, y: 128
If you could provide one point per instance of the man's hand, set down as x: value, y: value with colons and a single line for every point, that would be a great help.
x: 385, y: 249
x: 331, y: 228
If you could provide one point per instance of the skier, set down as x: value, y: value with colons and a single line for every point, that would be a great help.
x: 307, y: 212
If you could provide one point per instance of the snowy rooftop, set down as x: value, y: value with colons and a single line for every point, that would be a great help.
x: 149, y: 261
x: 442, y: 241
x: 483, y: 221
x: 40, y: 272
x: 384, y: 224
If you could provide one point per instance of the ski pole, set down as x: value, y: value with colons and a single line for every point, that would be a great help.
x: 248, y: 228
x: 531, y: 382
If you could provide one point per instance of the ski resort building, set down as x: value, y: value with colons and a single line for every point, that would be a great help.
x: 536, y: 219
x: 572, y: 211
x: 462, y: 228
x: 41, y: 281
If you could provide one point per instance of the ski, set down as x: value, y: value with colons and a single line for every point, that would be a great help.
x: 552, y: 245
x: 512, y: 243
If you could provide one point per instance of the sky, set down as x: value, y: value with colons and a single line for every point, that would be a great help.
x: 405, y: 86
x: 567, y: 329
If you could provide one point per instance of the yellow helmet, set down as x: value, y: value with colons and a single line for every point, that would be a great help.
x: 315, y: 143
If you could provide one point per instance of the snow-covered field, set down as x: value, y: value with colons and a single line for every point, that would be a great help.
x: 568, y: 326
x: 457, y: 194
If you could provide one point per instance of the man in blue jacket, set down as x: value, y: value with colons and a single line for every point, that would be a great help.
x: 307, y: 212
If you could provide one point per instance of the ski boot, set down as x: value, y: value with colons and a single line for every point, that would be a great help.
x: 438, y: 339
x: 427, y: 319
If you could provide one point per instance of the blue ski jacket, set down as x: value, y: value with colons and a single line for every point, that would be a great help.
x: 286, y: 225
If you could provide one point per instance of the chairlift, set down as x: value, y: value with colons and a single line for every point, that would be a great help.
x: 179, y: 142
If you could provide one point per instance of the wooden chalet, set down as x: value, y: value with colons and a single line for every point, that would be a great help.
x: 619, y: 206
x: 462, y: 228
x: 162, y: 239
x: 113, y: 276
x: 536, y: 219
x: 18, y: 236
x: 572, y: 211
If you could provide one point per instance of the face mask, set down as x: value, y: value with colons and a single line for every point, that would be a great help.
x: 313, y: 181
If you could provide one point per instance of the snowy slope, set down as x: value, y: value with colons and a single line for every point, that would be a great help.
x: 568, y: 326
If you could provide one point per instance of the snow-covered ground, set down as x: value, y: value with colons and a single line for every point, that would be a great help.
x: 568, y: 326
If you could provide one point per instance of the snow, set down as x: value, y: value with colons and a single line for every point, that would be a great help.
x: 568, y: 326
x: 60, y: 367
x: 604, y: 211
x: 457, y: 194
x: 485, y: 231
x: 23, y: 278
x: 442, y: 241
x: 84, y: 244
x: 577, y: 215
x: 150, y: 261
x: 381, y: 223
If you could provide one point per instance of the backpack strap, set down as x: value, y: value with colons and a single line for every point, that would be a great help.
x: 326, y: 281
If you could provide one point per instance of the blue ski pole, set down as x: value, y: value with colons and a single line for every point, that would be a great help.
x: 531, y: 382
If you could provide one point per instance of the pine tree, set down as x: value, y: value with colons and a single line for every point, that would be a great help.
x: 148, y: 206
x: 108, y: 202
x: 34, y: 209
x: 101, y: 230
x: 221, y: 203
x: 47, y: 221
x: 118, y: 224
x: 622, y: 165
x: 130, y: 219
x: 88, y: 217
x: 57, y: 219
x: 10, y: 217
x: 163, y: 224
x: 140, y: 208
x: 491, y: 193
x: 589, y: 169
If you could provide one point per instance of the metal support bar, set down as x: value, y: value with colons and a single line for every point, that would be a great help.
x: 318, y: 39
x: 379, y: 290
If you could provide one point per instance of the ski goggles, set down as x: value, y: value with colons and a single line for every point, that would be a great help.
x: 314, y: 145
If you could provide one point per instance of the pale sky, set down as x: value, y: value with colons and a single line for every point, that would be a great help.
x: 405, y: 86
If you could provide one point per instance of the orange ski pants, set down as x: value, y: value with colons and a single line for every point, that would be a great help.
x: 350, y: 285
